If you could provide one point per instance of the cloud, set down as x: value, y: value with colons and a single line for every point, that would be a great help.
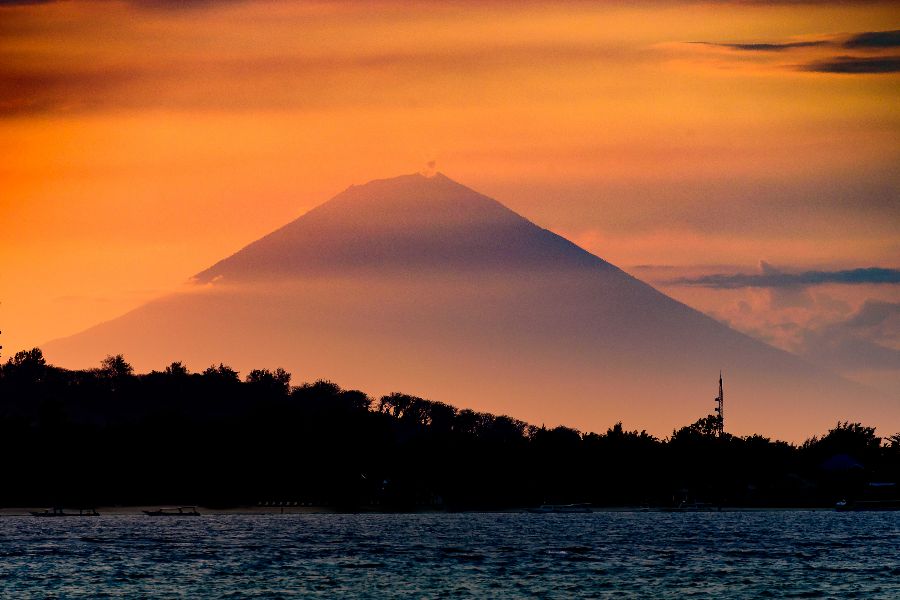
x: 154, y: 4
x: 774, y: 278
x: 874, y: 39
x: 854, y: 65
x: 162, y: 5
x: 874, y: 313
x: 767, y: 47
x: 45, y: 90
x: 180, y: 5
x: 871, y: 41
x: 301, y: 80
x: 865, y: 340
x: 844, y: 353
x: 853, y: 330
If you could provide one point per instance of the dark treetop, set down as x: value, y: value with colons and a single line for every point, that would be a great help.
x: 109, y: 436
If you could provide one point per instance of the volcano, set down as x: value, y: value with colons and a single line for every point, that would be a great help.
x: 422, y: 285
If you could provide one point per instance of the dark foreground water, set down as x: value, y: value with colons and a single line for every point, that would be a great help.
x: 598, y: 555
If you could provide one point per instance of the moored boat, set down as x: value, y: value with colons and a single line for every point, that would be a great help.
x: 858, y: 505
x: 561, y: 508
x: 175, y: 511
x: 692, y: 507
x: 877, y: 495
x: 57, y: 511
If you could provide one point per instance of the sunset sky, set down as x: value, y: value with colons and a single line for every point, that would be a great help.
x: 740, y: 156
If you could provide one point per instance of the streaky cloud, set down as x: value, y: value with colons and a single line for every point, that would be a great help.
x: 771, y: 278
x: 766, y: 46
x: 854, y: 65
x: 155, y: 4
x: 875, y: 39
x: 189, y: 4
x: 30, y: 89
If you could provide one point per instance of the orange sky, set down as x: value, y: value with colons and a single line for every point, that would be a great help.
x: 142, y: 141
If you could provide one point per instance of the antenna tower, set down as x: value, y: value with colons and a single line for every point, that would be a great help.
x: 720, y: 408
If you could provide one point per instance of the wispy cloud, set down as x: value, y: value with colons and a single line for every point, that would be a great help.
x: 820, y: 53
x: 179, y: 4
x: 773, y: 278
x: 874, y: 39
x: 852, y: 328
x: 854, y: 65
x: 766, y: 46
x: 300, y: 80
x: 160, y: 4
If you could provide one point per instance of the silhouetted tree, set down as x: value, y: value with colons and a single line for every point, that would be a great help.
x: 278, y: 380
x: 852, y: 439
x: 116, y: 367
x: 707, y: 426
x: 28, y: 365
x: 223, y: 373
x: 177, y: 369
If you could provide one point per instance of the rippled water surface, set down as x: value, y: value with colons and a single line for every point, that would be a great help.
x: 505, y: 555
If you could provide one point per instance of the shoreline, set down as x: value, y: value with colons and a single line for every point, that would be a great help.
x: 314, y: 510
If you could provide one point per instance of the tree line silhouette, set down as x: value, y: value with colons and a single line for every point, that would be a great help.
x: 109, y: 436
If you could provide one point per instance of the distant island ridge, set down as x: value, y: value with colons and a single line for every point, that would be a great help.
x: 423, y: 284
x: 109, y: 437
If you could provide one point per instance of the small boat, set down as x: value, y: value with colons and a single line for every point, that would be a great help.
x: 60, y: 512
x: 867, y: 505
x: 692, y: 507
x: 175, y: 511
x: 877, y: 495
x: 560, y: 508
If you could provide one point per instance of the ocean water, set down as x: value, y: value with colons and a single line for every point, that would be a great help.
x: 778, y: 554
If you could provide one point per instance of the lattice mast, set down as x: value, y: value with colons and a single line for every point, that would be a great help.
x: 720, y: 408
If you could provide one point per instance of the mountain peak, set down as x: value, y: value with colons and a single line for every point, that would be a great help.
x: 408, y: 191
x: 402, y: 224
x: 409, y: 179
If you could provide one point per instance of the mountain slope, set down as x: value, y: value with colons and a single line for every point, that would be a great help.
x: 423, y: 285
x: 406, y: 223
